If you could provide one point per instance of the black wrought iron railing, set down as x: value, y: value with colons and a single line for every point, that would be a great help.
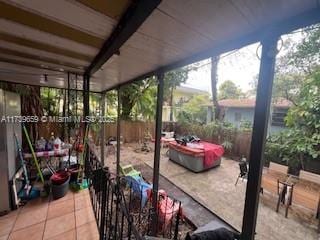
x: 123, y: 209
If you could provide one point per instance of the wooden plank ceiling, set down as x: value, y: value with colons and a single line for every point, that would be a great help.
x: 179, y: 29
x: 52, y: 37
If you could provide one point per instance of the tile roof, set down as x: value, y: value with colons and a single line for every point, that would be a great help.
x: 251, y: 102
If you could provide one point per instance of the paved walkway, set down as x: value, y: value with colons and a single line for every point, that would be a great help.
x: 216, y: 190
x: 193, y: 210
x: 68, y: 218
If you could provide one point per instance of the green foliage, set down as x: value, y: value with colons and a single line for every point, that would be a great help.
x: 305, y: 117
x: 301, y: 141
x: 298, y: 80
x: 218, y: 132
x: 287, y: 86
x: 131, y: 94
x: 245, y: 125
x: 52, y: 101
x: 138, y: 99
x: 307, y: 53
x: 194, y: 110
x: 111, y: 105
x: 227, y: 145
x: 229, y: 89
x: 173, y: 79
x: 145, y: 106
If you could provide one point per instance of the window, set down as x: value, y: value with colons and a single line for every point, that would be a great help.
x: 237, y: 117
x: 278, y: 116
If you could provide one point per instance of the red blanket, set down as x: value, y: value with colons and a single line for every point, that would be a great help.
x: 212, y: 152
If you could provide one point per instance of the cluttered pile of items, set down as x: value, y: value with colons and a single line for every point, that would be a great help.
x: 168, y: 208
x: 49, y: 167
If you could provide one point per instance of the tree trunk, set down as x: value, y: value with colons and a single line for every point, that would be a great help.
x: 214, y: 80
x: 126, y: 106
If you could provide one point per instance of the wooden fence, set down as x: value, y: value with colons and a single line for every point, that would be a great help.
x: 131, y: 131
x: 135, y: 131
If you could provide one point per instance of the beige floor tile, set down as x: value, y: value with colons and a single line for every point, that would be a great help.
x: 5, y: 237
x: 61, y: 208
x: 13, y: 213
x: 82, y: 202
x: 70, y: 235
x: 84, y: 215
x: 6, y: 224
x: 30, y: 217
x: 35, y: 204
x: 59, y: 225
x: 88, y: 232
x: 34, y: 232
x: 68, y: 196
x: 81, y: 193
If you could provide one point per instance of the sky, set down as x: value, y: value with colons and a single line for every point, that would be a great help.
x: 241, y: 67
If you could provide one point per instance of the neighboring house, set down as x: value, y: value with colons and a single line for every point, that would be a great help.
x: 236, y: 111
x: 181, y: 95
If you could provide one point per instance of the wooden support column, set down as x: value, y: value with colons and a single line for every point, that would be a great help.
x: 260, y: 126
x: 157, y: 147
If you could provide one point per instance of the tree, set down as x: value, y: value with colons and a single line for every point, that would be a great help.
x: 214, y: 80
x: 299, y: 61
x: 31, y: 104
x: 287, y: 86
x: 173, y: 79
x: 145, y: 106
x: 306, y: 56
x: 139, y: 93
x: 298, y: 79
x: 130, y: 94
x: 193, y: 111
x: 301, y: 141
x: 229, y: 90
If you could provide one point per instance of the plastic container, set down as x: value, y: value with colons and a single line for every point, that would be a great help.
x: 41, y: 145
x: 59, y: 191
x: 59, y: 184
x: 59, y: 177
x: 57, y: 144
x: 74, y: 171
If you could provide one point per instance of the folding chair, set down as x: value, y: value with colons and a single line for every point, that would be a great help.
x: 243, y: 172
x: 129, y: 170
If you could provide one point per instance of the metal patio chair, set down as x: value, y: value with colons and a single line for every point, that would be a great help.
x: 243, y: 171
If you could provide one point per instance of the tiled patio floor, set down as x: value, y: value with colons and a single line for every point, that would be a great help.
x: 67, y: 218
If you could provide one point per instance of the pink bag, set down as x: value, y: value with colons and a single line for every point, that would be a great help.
x: 167, y: 210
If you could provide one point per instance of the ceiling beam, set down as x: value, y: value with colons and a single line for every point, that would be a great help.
x: 277, y: 29
x: 39, y: 58
x: 39, y: 66
x: 33, y: 20
x: 44, y: 46
x: 132, y: 19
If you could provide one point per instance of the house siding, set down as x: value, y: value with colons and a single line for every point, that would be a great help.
x: 247, y: 114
